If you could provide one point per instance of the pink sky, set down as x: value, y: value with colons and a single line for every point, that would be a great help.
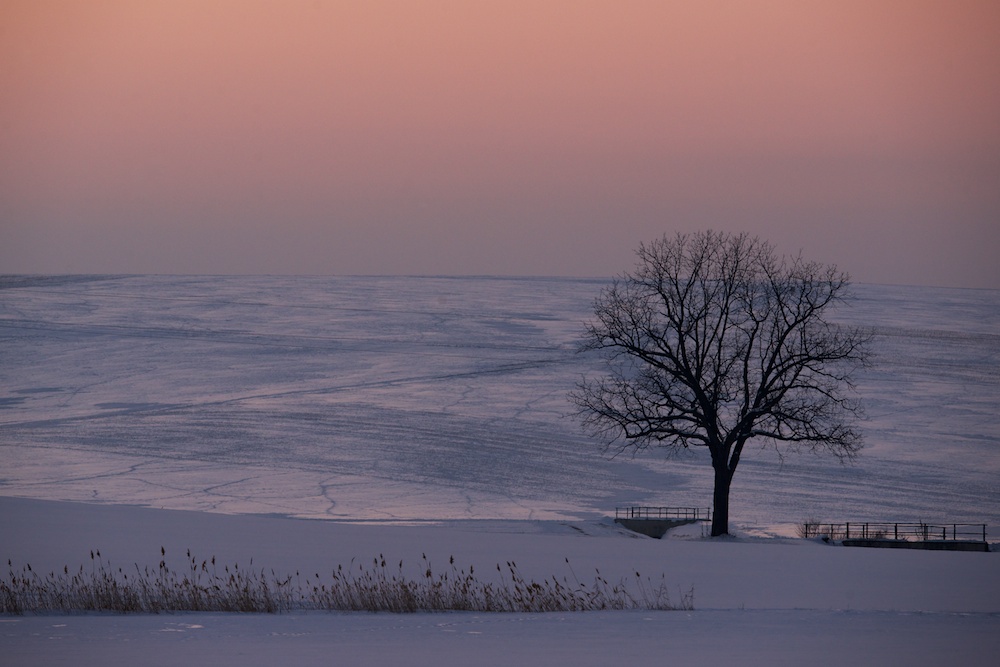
x: 514, y: 138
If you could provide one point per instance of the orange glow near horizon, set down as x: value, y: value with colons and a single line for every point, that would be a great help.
x: 496, y: 137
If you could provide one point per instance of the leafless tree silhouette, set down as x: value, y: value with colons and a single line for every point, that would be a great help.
x: 715, y: 340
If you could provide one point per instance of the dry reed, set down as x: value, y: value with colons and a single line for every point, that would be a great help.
x: 206, y: 586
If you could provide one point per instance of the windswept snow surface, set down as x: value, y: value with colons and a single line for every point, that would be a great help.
x: 442, y: 398
x: 429, y: 415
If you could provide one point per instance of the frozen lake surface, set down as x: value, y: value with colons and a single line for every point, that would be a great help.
x: 413, y: 399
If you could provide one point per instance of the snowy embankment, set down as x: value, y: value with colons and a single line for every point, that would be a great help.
x: 757, y: 600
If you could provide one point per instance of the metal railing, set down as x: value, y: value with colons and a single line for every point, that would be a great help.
x: 910, y: 532
x: 688, y: 513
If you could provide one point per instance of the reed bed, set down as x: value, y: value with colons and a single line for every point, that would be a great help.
x: 203, y: 585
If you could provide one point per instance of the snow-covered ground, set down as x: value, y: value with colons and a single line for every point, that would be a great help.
x: 758, y: 601
x: 429, y: 415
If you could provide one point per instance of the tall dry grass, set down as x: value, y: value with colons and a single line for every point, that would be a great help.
x: 206, y: 586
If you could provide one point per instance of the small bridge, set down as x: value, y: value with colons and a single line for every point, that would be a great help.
x: 656, y: 521
x: 941, y: 537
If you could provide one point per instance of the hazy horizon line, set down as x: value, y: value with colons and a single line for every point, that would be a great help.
x: 435, y: 276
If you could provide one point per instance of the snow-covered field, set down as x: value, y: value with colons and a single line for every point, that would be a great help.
x: 429, y: 415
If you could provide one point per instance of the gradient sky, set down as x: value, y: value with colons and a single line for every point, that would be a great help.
x: 511, y: 138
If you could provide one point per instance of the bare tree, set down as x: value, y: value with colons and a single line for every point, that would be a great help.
x: 715, y: 340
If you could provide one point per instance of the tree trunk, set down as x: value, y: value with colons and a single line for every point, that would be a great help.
x: 720, y: 500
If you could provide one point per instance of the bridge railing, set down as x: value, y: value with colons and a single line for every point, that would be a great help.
x: 642, y: 512
x: 911, y: 532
